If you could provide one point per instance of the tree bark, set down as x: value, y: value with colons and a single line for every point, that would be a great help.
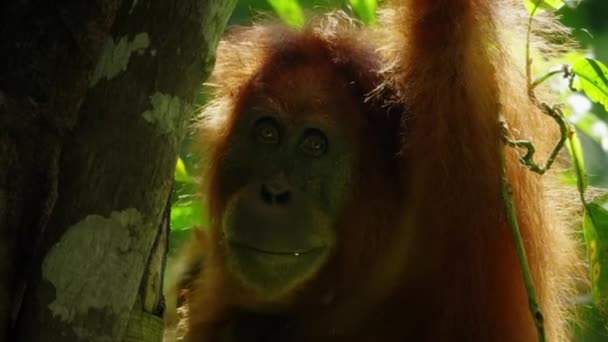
x: 95, y: 99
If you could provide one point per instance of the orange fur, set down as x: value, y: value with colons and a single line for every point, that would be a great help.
x: 425, y: 251
x: 457, y: 75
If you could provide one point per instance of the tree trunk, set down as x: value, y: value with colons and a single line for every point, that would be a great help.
x: 95, y: 98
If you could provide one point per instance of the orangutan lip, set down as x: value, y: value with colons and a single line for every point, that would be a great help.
x: 283, y: 253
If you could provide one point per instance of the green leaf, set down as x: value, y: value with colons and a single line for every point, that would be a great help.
x: 177, y: 239
x: 593, y: 79
x: 576, y: 153
x: 595, y: 227
x: 188, y: 214
x: 289, y: 11
x: 593, y: 321
x: 603, y: 201
x: 568, y: 177
x: 596, y: 160
x: 365, y: 10
x: 181, y: 174
x: 538, y: 6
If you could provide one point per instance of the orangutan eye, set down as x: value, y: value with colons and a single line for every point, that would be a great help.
x: 314, y: 143
x: 267, y: 131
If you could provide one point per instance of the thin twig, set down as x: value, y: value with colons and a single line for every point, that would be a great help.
x: 528, y: 35
x: 546, y: 76
x: 511, y: 210
x: 528, y: 159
